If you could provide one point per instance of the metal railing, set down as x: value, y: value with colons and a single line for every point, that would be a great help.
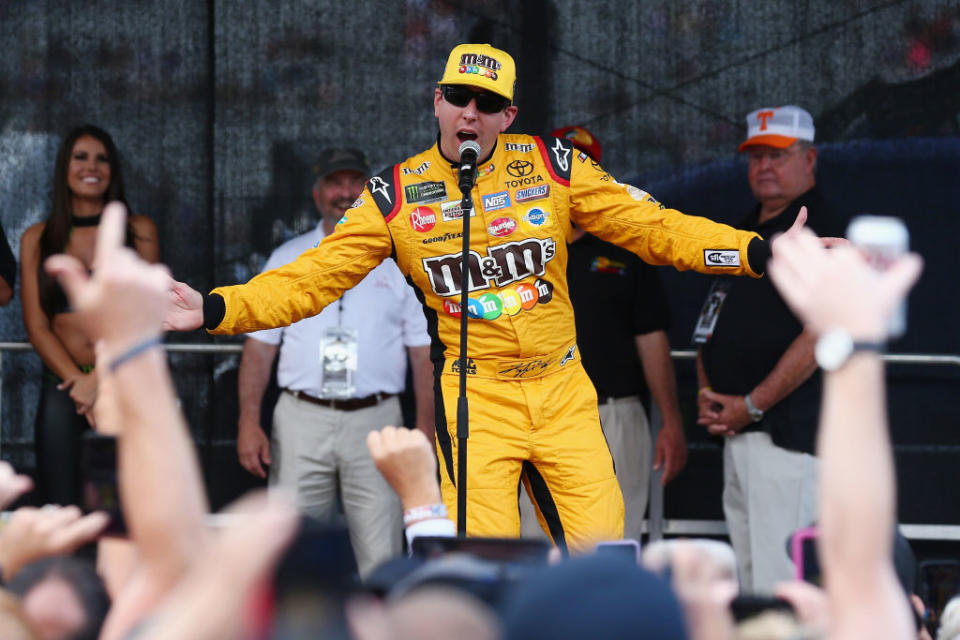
x: 656, y: 526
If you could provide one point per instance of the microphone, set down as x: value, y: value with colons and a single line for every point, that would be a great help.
x: 469, y: 151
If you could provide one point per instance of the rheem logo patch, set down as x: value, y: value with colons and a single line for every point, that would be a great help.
x: 423, y: 219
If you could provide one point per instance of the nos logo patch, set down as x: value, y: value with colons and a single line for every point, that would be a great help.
x: 495, y: 201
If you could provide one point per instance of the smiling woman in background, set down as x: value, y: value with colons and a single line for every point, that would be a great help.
x: 87, y: 176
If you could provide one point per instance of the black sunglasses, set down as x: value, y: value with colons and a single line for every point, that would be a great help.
x: 460, y: 96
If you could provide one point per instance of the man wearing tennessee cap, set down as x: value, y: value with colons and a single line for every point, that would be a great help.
x: 532, y: 408
x: 756, y: 371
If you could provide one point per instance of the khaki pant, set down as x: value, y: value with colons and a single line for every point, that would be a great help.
x: 768, y: 493
x: 315, y: 449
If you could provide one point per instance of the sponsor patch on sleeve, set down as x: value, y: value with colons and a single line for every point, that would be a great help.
x: 721, y: 257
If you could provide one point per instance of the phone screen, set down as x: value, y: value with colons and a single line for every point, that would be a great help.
x: 745, y: 607
x: 98, y: 463
x: 625, y: 549
x: 495, y: 549
x: 939, y: 581
x: 803, y: 551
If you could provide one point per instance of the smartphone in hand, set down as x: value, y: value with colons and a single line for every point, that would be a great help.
x: 99, y: 481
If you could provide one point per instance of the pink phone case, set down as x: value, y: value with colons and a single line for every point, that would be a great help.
x: 796, y: 548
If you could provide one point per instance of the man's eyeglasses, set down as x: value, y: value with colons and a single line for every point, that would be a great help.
x: 777, y: 156
x: 460, y: 96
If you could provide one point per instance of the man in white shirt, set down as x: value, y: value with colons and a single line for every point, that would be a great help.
x: 340, y: 373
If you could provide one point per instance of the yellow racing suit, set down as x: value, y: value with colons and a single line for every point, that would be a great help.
x: 533, y: 410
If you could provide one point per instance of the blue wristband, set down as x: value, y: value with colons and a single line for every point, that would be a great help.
x: 134, y: 351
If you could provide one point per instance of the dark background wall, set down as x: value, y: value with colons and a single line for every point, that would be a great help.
x: 220, y: 107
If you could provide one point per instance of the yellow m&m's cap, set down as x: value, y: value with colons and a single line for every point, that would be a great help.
x: 482, y: 66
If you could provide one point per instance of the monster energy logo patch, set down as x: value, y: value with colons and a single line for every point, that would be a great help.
x: 425, y: 192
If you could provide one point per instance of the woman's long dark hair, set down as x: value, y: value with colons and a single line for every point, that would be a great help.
x: 56, y: 233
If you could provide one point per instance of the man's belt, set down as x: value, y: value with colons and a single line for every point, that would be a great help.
x: 518, y: 368
x: 604, y: 399
x: 343, y: 404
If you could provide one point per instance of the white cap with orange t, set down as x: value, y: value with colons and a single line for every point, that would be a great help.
x: 778, y: 127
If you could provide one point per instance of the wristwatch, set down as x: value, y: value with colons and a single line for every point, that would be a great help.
x: 755, y: 414
x: 835, y: 347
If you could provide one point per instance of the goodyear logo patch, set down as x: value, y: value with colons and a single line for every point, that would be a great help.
x: 442, y: 238
x: 496, y: 201
x: 533, y: 193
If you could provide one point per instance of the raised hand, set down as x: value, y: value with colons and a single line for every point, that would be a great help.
x: 408, y: 464
x: 798, y: 226
x: 836, y: 288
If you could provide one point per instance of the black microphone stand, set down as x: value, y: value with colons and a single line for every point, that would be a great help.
x: 463, y: 413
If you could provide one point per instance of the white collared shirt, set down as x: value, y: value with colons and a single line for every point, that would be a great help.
x: 383, y: 310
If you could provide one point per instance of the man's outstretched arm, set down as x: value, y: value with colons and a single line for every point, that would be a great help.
x: 279, y: 297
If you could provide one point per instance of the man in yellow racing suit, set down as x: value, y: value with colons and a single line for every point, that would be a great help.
x: 533, y: 410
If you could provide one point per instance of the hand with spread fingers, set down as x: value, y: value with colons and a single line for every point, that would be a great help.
x: 52, y: 530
